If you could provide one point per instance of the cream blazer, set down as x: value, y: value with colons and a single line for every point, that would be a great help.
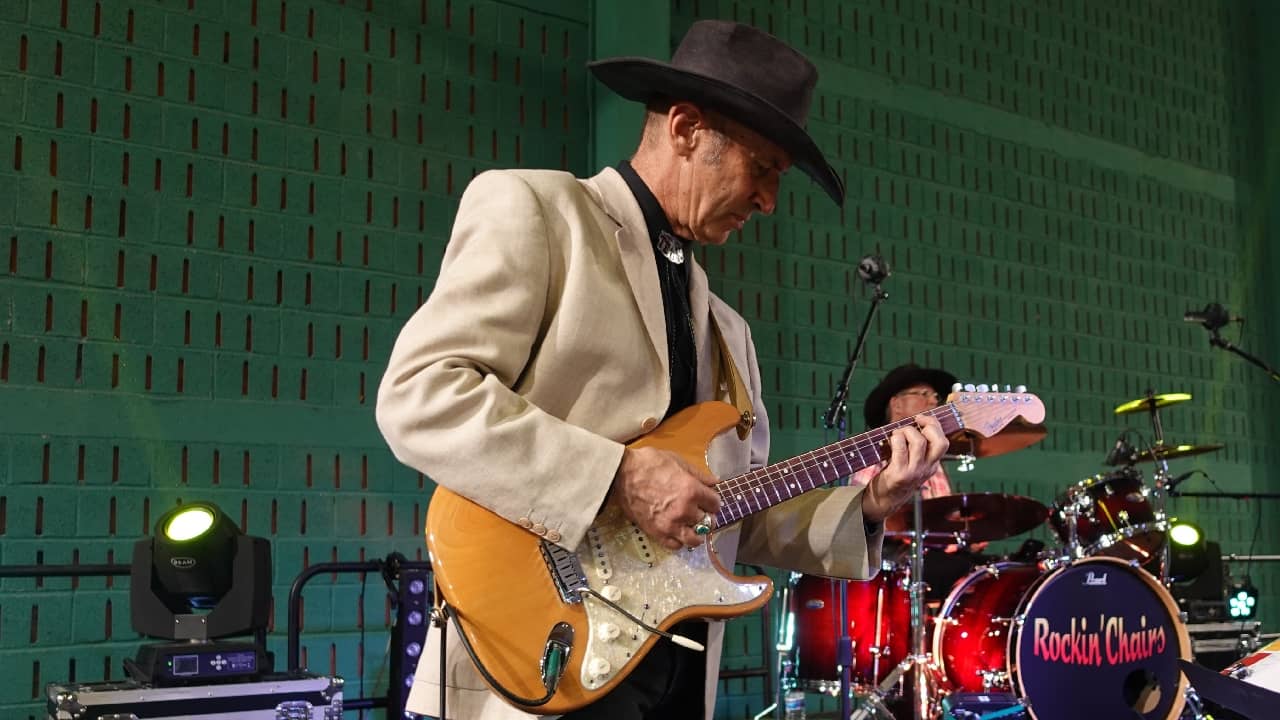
x: 541, y: 351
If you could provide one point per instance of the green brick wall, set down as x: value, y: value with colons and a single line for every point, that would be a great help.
x: 221, y: 212
x: 217, y: 216
x: 1054, y: 185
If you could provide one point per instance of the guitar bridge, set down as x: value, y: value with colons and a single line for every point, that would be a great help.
x: 566, y: 571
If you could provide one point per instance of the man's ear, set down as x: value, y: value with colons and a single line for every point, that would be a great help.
x: 683, y: 121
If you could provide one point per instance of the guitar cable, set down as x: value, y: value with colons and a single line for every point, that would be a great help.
x: 447, y: 611
x: 680, y: 640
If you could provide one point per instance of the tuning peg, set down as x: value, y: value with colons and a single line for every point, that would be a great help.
x: 1020, y: 388
x: 969, y: 387
x: 956, y: 387
x: 983, y: 388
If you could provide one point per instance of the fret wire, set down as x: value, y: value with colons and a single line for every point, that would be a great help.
x: 750, y: 485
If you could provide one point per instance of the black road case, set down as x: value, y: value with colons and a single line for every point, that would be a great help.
x: 284, y: 697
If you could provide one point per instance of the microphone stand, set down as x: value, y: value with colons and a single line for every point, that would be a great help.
x: 1217, y: 340
x: 836, y: 419
x: 1228, y: 495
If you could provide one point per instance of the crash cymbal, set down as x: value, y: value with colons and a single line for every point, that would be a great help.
x: 973, y: 517
x: 1169, y: 452
x: 1146, y: 403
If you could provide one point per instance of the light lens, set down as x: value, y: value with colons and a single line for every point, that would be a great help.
x: 189, y: 524
x: 1243, y: 604
x: 1184, y: 534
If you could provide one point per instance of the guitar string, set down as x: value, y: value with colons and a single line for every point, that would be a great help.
x: 836, y: 454
x: 837, y: 450
x: 865, y: 441
x: 758, y: 481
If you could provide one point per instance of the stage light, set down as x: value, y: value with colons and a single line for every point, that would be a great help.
x: 1203, y: 597
x: 409, y: 634
x: 197, y: 579
x: 1187, y: 555
x: 193, y: 556
x: 1242, y: 599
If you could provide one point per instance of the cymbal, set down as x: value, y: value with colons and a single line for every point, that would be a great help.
x: 1169, y: 452
x: 1146, y: 403
x: 974, y: 517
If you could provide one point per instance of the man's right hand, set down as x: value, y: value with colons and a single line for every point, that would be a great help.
x: 664, y: 496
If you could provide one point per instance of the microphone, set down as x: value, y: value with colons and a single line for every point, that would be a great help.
x: 1121, y: 454
x: 1173, y: 481
x: 873, y: 269
x: 1212, y: 317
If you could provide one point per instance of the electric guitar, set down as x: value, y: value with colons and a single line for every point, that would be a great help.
x: 554, y: 630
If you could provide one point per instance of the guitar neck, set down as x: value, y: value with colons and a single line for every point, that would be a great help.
x: 761, y: 489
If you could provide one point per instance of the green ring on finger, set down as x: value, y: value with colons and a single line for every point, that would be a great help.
x: 704, y: 525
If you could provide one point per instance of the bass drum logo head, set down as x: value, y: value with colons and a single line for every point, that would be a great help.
x: 1100, y: 639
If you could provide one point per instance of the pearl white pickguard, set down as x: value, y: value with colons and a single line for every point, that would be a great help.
x: 650, y: 582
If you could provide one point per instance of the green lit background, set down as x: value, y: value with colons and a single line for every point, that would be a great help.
x: 218, y: 213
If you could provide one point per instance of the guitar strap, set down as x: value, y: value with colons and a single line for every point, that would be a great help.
x: 725, y: 377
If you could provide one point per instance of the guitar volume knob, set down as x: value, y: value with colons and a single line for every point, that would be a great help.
x: 612, y: 593
x: 607, y: 631
x: 598, y: 667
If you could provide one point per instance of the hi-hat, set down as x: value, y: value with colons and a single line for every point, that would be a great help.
x: 974, y: 517
x: 1169, y: 452
x: 1153, y: 401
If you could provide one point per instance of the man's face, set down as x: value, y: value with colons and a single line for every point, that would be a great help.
x: 912, y: 401
x: 735, y: 172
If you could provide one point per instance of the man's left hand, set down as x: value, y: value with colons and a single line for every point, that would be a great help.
x: 914, y: 452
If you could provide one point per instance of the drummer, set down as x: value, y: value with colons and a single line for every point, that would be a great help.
x: 905, y: 391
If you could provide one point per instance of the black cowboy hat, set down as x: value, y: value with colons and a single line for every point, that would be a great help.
x: 874, y: 410
x: 747, y: 74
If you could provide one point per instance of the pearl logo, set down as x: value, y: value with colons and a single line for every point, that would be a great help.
x: 183, y: 563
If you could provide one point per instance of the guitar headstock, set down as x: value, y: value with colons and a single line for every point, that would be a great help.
x: 986, y: 410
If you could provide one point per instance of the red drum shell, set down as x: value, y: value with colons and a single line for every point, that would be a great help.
x: 1114, y: 518
x: 1096, y: 638
x: 879, y: 613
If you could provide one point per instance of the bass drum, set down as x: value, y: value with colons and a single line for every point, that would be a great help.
x: 1098, y: 638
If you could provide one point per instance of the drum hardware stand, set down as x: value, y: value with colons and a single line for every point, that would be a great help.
x: 1163, y: 490
x: 1160, y: 478
x: 873, y: 270
x: 1073, y: 553
x: 1194, y: 705
x: 918, y: 661
x: 784, y: 648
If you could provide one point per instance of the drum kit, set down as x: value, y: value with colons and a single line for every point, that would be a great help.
x: 1086, y: 628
